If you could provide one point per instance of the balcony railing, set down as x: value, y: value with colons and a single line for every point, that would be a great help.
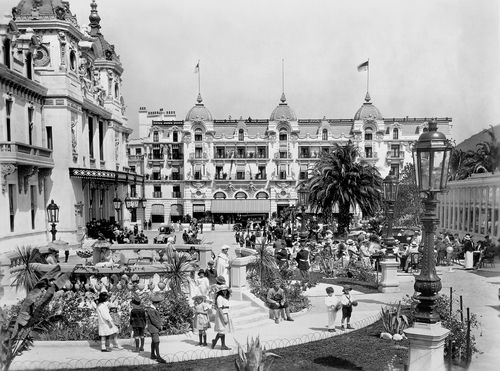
x: 157, y: 195
x: 256, y: 177
x: 25, y: 154
x: 247, y: 156
x: 176, y: 195
x: 136, y: 157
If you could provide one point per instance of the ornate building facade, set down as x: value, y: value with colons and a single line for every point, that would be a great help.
x: 63, y: 129
x: 251, y: 167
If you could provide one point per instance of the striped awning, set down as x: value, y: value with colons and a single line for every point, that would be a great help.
x: 157, y: 209
x: 176, y: 210
x: 198, y: 208
x: 240, y: 206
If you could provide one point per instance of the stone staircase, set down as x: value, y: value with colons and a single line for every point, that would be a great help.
x: 246, y: 314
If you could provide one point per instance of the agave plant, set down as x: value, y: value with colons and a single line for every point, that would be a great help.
x: 394, y: 321
x: 25, y: 276
x: 177, y: 270
x: 254, y: 358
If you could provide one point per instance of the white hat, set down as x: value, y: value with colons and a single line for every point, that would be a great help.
x: 225, y: 247
x: 349, y: 242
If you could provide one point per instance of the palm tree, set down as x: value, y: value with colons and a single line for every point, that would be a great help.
x: 339, y: 179
x: 488, y: 152
x: 265, y: 264
x: 461, y: 164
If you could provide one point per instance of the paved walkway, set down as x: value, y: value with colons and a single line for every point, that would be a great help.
x: 479, y: 290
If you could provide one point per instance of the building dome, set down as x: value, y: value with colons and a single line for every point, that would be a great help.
x: 283, y: 111
x: 199, y: 112
x: 368, y: 111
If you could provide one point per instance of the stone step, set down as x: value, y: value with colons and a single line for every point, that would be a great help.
x: 244, y: 311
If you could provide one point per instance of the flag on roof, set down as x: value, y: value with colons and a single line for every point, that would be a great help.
x: 363, y: 66
x: 197, y: 68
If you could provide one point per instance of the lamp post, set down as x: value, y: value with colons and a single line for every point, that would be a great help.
x: 53, y: 217
x: 391, y: 185
x: 132, y: 204
x: 431, y: 155
x: 117, y: 204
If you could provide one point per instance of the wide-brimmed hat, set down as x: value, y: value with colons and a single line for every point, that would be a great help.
x: 467, y: 237
x: 346, y: 289
x: 222, y: 288
x: 414, y: 243
x: 156, y: 298
x: 220, y: 280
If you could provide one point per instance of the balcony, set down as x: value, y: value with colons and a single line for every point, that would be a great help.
x: 157, y: 194
x: 24, y: 154
x: 247, y: 156
x: 136, y: 157
x: 395, y: 156
x: 236, y: 179
x: 176, y: 195
x: 195, y: 156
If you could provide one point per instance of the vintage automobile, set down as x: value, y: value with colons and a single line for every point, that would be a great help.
x: 164, y: 232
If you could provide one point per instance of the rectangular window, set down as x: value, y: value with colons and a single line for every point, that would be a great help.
x: 138, y: 151
x: 304, y: 152
x: 368, y: 152
x: 219, y: 152
x: 33, y: 205
x: 262, y: 172
x: 50, y: 144
x: 261, y: 152
x: 30, y: 125
x: 156, y: 137
x: 241, y: 152
x: 175, y: 136
x: 198, y: 152
x: 282, y: 172
x: 12, y: 205
x: 395, y: 170
x: 197, y: 172
x: 8, y: 107
x: 157, y: 191
x: 240, y: 175
x: 176, y: 191
x: 156, y: 175
x: 395, y: 150
x: 132, y: 168
x: 91, y: 137
x: 101, y: 140
x: 283, y: 154
x: 133, y: 190
x: 218, y: 172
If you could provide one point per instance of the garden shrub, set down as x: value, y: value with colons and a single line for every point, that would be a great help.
x: 394, y: 320
x: 452, y: 322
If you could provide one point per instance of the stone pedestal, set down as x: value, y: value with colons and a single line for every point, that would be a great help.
x: 426, y: 346
x: 239, y: 275
x: 205, y: 255
x: 389, y: 281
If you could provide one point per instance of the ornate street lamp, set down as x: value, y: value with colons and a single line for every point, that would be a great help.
x: 131, y: 203
x: 391, y: 185
x: 431, y: 155
x: 53, y: 217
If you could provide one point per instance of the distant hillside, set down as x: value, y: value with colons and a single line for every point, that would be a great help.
x: 470, y: 143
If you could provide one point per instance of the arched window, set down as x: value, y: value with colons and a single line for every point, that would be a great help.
x: 262, y: 196
x: 198, y: 135
x: 72, y: 60
x: 395, y: 133
x: 117, y: 90
x: 29, y: 66
x: 220, y: 196
x: 283, y: 135
x: 368, y: 134
x: 241, y: 135
x: 6, y: 53
x: 240, y: 196
x: 325, y: 134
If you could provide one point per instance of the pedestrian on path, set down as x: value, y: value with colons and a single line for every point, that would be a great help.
x: 201, y: 322
x: 138, y: 322
x: 223, y: 324
x: 332, y: 306
x: 469, y: 255
x: 154, y: 327
x: 222, y: 264
x: 105, y: 323
x: 347, y: 304
x: 203, y: 283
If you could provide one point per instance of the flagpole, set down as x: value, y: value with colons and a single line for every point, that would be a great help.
x: 282, y: 75
x: 368, y: 76
x: 199, y: 77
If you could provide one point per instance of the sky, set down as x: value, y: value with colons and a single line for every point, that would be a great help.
x: 431, y: 58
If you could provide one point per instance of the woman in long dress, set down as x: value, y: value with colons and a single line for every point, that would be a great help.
x: 469, y: 255
x: 223, y: 324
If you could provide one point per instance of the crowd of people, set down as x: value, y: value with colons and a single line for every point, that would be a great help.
x: 115, y: 233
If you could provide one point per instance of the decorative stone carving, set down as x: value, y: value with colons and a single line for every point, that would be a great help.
x: 62, y: 42
x: 74, y: 143
x: 79, y: 208
x: 6, y: 170
x: 117, y: 145
x: 60, y: 12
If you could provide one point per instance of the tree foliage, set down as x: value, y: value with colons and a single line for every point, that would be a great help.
x: 485, y: 159
x: 339, y: 178
x: 408, y: 207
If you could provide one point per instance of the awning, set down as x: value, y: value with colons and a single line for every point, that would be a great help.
x: 198, y: 208
x: 176, y: 210
x: 241, y: 206
x: 303, y: 167
x: 157, y: 209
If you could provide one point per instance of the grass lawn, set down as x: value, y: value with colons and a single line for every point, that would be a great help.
x: 358, y: 350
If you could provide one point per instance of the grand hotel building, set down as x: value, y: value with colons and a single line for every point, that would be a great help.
x: 251, y: 167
